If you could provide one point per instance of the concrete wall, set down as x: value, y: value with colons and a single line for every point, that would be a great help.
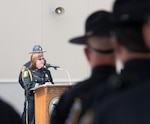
x: 24, y: 23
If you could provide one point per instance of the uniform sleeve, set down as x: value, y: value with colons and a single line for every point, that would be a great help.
x: 27, y: 80
x: 26, y: 65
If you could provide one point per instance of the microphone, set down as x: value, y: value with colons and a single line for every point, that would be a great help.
x: 47, y: 65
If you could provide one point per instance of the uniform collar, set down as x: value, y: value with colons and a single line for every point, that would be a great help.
x: 105, y: 69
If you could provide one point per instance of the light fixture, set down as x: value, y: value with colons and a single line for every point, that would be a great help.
x: 57, y: 11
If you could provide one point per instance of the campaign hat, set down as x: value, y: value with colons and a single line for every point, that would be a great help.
x: 131, y: 11
x: 36, y: 49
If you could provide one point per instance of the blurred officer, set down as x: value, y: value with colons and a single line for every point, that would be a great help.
x: 8, y: 114
x: 129, y: 102
x: 36, y: 49
x: 99, y: 52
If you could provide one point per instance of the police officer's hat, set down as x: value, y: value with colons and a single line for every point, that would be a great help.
x: 131, y: 11
x: 37, y: 48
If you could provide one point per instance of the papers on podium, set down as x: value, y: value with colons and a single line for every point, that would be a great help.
x: 46, y: 84
x: 37, y: 87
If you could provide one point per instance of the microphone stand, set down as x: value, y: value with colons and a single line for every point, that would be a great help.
x: 68, y: 74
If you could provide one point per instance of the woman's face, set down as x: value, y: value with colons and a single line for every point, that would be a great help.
x: 40, y: 62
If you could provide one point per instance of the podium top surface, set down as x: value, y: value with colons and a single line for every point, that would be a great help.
x: 50, y: 85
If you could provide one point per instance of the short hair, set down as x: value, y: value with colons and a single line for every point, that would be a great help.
x: 131, y: 37
x: 34, y: 58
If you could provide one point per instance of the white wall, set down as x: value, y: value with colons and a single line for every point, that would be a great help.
x: 24, y: 23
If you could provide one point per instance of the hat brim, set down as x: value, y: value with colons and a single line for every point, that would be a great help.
x: 82, y: 39
x: 37, y: 52
x: 78, y: 40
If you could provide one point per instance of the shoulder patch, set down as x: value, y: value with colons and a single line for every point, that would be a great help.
x: 87, y: 118
x: 25, y: 73
x: 73, y: 116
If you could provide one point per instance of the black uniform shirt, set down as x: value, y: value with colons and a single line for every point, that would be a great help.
x: 130, y: 104
x: 27, y: 65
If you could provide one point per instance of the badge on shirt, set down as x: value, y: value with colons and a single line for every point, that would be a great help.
x: 46, y: 75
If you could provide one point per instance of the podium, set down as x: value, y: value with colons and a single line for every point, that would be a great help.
x: 45, y: 99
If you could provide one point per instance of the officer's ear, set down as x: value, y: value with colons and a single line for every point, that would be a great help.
x: 87, y: 53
